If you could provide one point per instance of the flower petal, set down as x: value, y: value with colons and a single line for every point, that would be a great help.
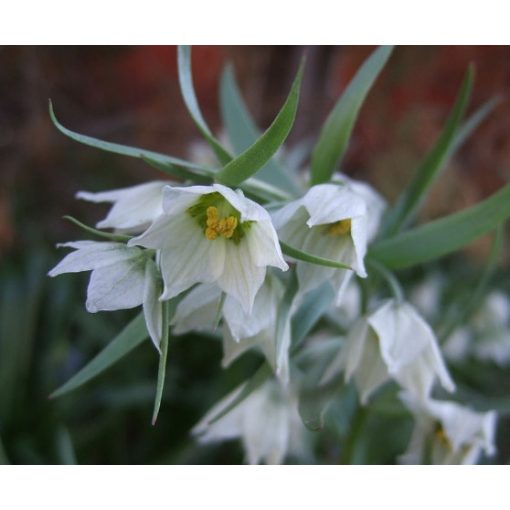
x: 152, y: 307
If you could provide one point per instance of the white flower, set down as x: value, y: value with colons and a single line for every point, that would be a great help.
x: 134, y: 209
x: 122, y: 277
x: 487, y: 334
x: 213, y: 234
x: 267, y: 422
x: 448, y: 433
x: 199, y: 308
x: 394, y: 342
x: 333, y: 221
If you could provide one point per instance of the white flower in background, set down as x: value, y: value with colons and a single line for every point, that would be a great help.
x: 122, y: 278
x: 427, y: 295
x: 267, y: 422
x: 333, y: 221
x: 241, y: 331
x: 213, y: 234
x: 134, y: 208
x: 448, y: 433
x: 486, y: 336
x: 394, y: 342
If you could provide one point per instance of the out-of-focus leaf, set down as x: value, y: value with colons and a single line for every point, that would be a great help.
x: 65, y: 447
x: 260, y: 376
x: 262, y: 150
x: 314, y: 305
x: 125, y: 150
x: 336, y: 132
x: 3, y: 456
x: 243, y: 132
x: 445, y: 235
x: 130, y: 337
x: 311, y: 259
x: 188, y: 94
x: 414, y: 194
x: 107, y: 235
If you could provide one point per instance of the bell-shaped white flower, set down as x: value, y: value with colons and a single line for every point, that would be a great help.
x: 213, y: 234
x: 121, y: 278
x: 448, y: 433
x: 394, y: 342
x: 198, y: 310
x: 134, y: 208
x: 333, y: 221
x: 267, y: 422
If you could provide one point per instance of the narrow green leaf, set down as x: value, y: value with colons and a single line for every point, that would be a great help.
x: 188, y: 94
x: 131, y: 336
x: 283, y: 313
x: 162, y: 362
x: 107, y: 235
x: 311, y: 259
x: 414, y: 194
x: 261, y: 151
x: 65, y: 448
x: 443, y: 236
x: 315, y: 304
x: 243, y: 132
x: 336, y: 132
x: 124, y: 150
x: 260, y: 376
x: 180, y: 172
x: 473, y: 301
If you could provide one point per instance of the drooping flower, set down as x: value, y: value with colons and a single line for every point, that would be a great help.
x: 267, y: 422
x: 333, y: 221
x: 394, y: 342
x: 198, y: 310
x: 134, y: 208
x: 448, y: 433
x: 122, y: 277
x: 213, y: 234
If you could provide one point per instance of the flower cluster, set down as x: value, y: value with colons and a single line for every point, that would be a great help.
x: 289, y: 276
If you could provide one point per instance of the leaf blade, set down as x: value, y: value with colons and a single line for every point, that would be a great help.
x: 260, y: 152
x: 336, y: 131
x: 310, y: 258
x: 243, y: 132
x: 445, y: 235
x: 414, y: 194
x: 129, y: 338
x: 190, y: 99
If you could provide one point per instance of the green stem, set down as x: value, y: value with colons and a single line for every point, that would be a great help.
x: 351, y: 444
x: 390, y: 279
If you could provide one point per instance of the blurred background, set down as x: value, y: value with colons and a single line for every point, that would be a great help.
x: 131, y: 95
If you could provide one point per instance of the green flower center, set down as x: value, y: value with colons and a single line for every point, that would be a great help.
x: 217, y: 218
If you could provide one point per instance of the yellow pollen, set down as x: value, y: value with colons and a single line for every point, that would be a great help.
x: 339, y: 228
x: 215, y: 226
x: 442, y: 437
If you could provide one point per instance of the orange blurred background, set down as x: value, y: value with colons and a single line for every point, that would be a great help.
x: 131, y: 95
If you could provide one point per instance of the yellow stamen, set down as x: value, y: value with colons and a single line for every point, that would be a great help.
x: 442, y: 437
x: 216, y: 226
x: 340, y: 228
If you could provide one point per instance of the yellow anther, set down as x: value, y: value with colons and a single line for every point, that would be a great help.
x: 229, y: 226
x: 212, y: 216
x: 211, y: 233
x: 442, y: 437
x: 340, y: 228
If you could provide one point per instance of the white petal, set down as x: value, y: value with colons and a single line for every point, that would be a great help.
x: 187, y: 256
x: 198, y: 309
x: 135, y: 207
x: 264, y: 246
x: 289, y: 213
x: 329, y: 203
x: 93, y: 255
x: 152, y: 307
x: 117, y: 286
x: 241, y: 278
x: 249, y: 210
